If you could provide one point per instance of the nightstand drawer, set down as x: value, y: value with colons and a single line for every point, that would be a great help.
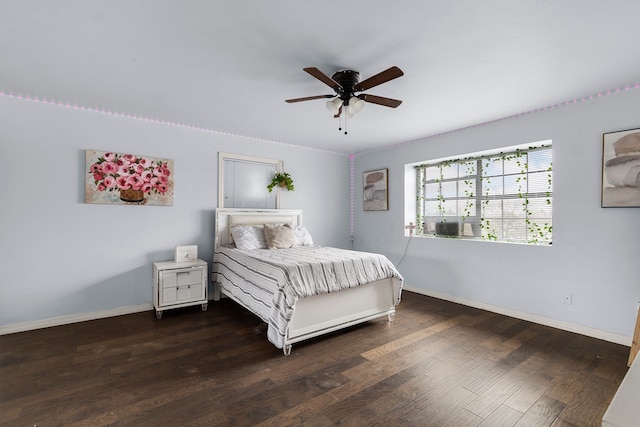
x: 184, y: 277
x: 183, y: 293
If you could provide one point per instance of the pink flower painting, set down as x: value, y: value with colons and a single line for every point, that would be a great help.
x: 117, y: 178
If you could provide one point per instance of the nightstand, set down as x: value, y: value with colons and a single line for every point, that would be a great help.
x: 179, y: 284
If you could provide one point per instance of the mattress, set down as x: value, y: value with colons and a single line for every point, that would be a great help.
x: 270, y: 282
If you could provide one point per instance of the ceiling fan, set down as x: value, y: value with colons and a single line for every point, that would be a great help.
x: 345, y: 84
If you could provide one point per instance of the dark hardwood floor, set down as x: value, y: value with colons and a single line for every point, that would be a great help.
x: 437, y: 364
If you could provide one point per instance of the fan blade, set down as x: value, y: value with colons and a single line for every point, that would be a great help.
x: 382, y: 77
x: 387, y: 102
x: 323, y: 78
x: 309, y: 98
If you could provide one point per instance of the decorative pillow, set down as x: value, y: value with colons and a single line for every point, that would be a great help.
x: 303, y: 238
x: 279, y: 236
x: 248, y: 237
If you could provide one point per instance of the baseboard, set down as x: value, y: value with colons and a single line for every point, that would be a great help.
x: 565, y: 326
x: 74, y: 318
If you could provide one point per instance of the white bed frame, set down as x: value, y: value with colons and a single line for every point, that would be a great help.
x: 318, y: 314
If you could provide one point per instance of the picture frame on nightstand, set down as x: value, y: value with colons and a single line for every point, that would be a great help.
x: 186, y: 253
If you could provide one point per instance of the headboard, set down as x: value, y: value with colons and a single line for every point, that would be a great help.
x: 228, y: 217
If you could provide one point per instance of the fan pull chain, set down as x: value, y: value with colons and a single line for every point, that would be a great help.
x: 339, y: 116
x: 345, y: 124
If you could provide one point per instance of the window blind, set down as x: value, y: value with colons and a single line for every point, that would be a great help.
x: 507, y: 196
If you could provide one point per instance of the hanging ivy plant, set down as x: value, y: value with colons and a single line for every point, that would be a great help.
x: 469, y: 194
x: 281, y: 179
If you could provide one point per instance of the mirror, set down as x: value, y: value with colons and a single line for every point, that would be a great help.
x: 242, y: 182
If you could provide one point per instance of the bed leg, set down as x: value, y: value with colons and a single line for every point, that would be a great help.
x: 391, y: 316
x: 216, y: 291
x: 286, y: 350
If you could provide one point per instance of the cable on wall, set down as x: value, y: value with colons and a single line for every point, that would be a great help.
x: 406, y: 247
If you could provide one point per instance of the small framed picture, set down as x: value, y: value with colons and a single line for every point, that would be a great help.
x: 186, y: 253
x: 621, y: 169
x: 376, y: 195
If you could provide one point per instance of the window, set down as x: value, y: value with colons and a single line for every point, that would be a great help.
x: 504, y: 196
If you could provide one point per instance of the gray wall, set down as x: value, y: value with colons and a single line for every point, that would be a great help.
x: 595, y: 251
x: 61, y: 257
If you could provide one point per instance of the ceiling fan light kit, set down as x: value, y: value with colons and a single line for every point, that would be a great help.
x: 354, y: 106
x: 334, y: 105
x: 345, y: 84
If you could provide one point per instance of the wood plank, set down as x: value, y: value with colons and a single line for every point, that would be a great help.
x: 463, y: 418
x: 501, y: 416
x: 590, y: 402
x: 542, y: 413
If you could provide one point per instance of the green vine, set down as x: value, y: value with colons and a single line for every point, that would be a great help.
x: 518, y: 168
x: 281, y: 179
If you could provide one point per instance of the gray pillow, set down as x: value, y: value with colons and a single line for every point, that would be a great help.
x: 279, y: 236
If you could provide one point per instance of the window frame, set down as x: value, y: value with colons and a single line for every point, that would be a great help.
x: 463, y: 214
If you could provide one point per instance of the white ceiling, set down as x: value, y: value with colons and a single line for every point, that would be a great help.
x: 228, y: 66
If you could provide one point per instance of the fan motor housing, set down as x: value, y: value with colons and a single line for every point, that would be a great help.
x: 348, y: 79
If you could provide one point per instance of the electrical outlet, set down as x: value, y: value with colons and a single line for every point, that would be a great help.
x: 567, y: 299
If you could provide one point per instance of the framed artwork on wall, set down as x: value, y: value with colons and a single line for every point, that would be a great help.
x: 376, y: 194
x: 128, y: 179
x: 621, y: 169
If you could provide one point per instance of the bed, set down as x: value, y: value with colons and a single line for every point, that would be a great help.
x: 300, y: 290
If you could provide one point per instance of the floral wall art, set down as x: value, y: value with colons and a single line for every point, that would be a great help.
x: 129, y: 179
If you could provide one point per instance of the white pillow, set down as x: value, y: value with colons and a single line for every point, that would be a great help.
x: 248, y: 237
x: 303, y: 238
